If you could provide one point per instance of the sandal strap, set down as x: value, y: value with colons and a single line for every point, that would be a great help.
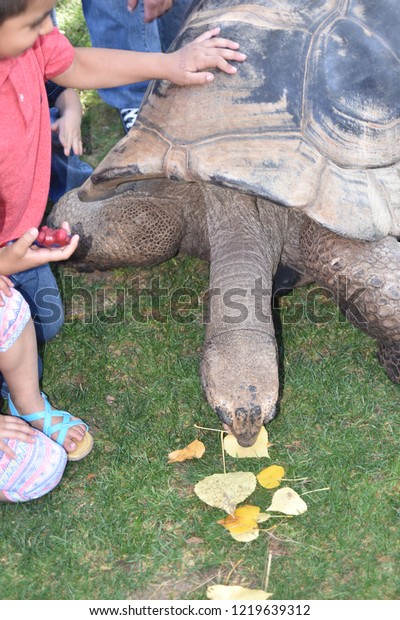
x: 46, y: 415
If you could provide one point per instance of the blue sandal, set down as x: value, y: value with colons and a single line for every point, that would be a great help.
x: 82, y: 449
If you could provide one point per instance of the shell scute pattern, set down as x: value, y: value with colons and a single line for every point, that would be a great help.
x: 310, y: 121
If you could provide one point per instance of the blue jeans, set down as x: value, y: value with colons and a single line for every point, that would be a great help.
x: 39, y: 287
x: 111, y: 25
x: 67, y: 172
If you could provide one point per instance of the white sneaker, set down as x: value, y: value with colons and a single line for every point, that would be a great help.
x: 128, y: 117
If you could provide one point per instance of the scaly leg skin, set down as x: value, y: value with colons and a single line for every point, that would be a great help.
x: 389, y: 357
x: 364, y: 278
x: 142, y: 226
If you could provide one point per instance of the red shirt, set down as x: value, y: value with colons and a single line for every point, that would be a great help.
x: 25, y: 134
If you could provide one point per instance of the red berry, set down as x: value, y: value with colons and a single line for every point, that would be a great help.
x: 49, y: 237
x: 61, y: 236
x: 41, y: 238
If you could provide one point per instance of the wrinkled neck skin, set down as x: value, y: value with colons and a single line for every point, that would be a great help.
x: 240, y: 363
x: 154, y: 220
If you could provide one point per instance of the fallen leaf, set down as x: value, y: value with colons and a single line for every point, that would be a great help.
x: 257, y: 450
x: 262, y: 517
x: 288, y: 502
x: 220, y: 592
x: 226, y: 490
x: 110, y: 399
x: 243, y: 524
x: 246, y: 537
x: 271, y: 477
x: 194, y: 450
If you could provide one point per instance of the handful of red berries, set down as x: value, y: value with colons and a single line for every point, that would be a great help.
x: 52, y: 238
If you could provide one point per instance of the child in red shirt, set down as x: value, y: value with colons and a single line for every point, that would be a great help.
x: 31, y: 52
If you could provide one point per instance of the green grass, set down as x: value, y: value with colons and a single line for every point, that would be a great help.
x: 125, y: 525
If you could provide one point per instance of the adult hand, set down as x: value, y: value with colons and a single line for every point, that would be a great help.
x: 152, y: 8
x: 23, y: 255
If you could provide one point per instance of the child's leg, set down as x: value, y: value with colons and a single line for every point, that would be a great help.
x: 19, y: 367
x: 39, y: 287
x: 39, y: 462
x: 36, y: 470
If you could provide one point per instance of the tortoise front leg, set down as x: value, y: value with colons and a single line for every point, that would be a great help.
x: 364, y: 278
x: 143, y: 225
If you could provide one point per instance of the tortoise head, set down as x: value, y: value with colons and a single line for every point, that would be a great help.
x: 241, y: 382
x: 245, y: 423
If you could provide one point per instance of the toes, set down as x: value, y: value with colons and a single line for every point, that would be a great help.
x: 71, y: 446
x: 74, y: 437
x: 76, y: 433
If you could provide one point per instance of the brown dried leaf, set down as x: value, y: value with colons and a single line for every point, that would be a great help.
x: 194, y: 450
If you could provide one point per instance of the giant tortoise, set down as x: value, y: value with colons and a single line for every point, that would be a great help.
x: 295, y: 160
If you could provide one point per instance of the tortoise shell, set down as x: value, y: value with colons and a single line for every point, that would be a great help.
x: 310, y: 121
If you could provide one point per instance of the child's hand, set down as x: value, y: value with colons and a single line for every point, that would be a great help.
x: 68, y: 125
x: 206, y: 51
x: 68, y: 128
x: 5, y: 289
x: 23, y: 255
x: 14, y: 428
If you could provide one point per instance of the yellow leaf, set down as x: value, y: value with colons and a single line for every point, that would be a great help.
x: 243, y: 524
x: 271, y: 477
x: 244, y: 519
x: 257, y: 450
x: 245, y: 536
x: 220, y: 592
x: 288, y: 502
x: 226, y: 490
x: 195, y: 449
x: 248, y: 511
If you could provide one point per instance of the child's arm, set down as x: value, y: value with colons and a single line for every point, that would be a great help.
x: 22, y: 255
x: 105, y: 68
x: 68, y: 125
